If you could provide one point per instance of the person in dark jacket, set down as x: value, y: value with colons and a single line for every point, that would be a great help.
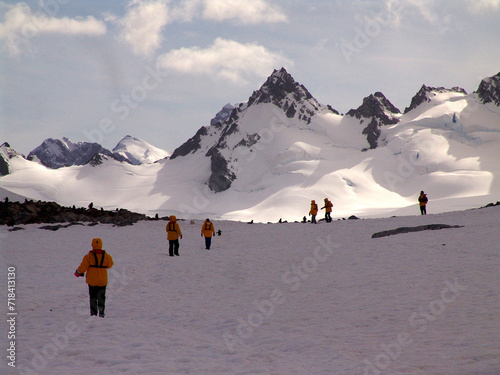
x: 96, y: 263
x: 422, y: 201
x: 208, y: 231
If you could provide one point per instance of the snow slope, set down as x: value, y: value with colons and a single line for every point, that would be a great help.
x: 267, y: 299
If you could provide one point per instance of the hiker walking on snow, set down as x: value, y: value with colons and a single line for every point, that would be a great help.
x: 313, y: 212
x: 208, y: 231
x: 173, y: 234
x: 96, y: 264
x: 328, y: 206
x: 422, y: 199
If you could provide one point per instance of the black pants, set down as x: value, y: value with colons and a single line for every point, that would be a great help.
x: 97, y: 300
x: 328, y: 218
x: 423, y: 211
x: 173, y: 247
x: 208, y: 242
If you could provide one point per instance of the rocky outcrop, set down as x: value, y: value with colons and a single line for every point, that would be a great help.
x: 31, y: 212
x: 378, y: 111
x: 192, y: 145
x: 222, y: 115
x: 414, y: 229
x: 4, y: 166
x: 489, y: 90
x: 6, y: 153
x: 425, y: 95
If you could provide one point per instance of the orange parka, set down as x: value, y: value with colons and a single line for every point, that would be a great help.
x: 208, y: 229
x: 173, y: 229
x: 328, y: 205
x: 314, y: 208
x: 96, y: 263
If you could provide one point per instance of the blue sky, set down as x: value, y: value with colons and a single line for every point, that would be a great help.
x: 159, y: 70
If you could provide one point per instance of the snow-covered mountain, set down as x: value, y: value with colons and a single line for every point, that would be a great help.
x: 266, y: 159
x: 137, y: 151
x: 58, y: 153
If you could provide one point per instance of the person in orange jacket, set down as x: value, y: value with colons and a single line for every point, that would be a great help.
x: 313, y: 211
x: 173, y: 234
x: 96, y: 263
x: 422, y: 201
x: 208, y: 231
x: 328, y: 209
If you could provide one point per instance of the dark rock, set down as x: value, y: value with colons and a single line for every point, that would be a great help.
x: 426, y: 92
x: 15, y: 229
x: 221, y: 177
x: 414, y: 229
x: 191, y: 145
x: 489, y: 90
x: 379, y: 111
x: 29, y: 212
x: 4, y: 166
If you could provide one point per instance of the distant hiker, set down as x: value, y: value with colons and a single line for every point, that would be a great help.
x: 328, y: 206
x: 96, y: 264
x: 207, y: 230
x: 304, y: 219
x: 313, y: 211
x: 173, y: 234
x: 422, y: 199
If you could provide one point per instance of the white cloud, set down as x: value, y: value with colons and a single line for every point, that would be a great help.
x: 244, y: 11
x: 20, y: 25
x: 143, y: 24
x: 225, y: 59
x: 478, y: 6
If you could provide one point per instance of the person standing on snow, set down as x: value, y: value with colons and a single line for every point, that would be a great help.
x: 208, y: 231
x: 313, y: 212
x: 328, y: 206
x: 173, y: 234
x: 96, y: 263
x: 422, y: 199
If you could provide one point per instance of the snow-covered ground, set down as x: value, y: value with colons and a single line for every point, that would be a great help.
x: 267, y: 299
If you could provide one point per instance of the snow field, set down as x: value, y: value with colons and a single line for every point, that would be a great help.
x: 267, y: 299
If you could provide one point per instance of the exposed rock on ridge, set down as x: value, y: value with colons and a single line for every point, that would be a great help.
x: 489, y: 90
x: 425, y: 93
x: 377, y: 109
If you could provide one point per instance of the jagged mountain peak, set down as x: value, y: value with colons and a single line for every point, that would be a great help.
x: 283, y: 91
x: 426, y: 93
x: 279, y: 86
x: 379, y: 111
x: 489, y: 90
x: 376, y: 105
